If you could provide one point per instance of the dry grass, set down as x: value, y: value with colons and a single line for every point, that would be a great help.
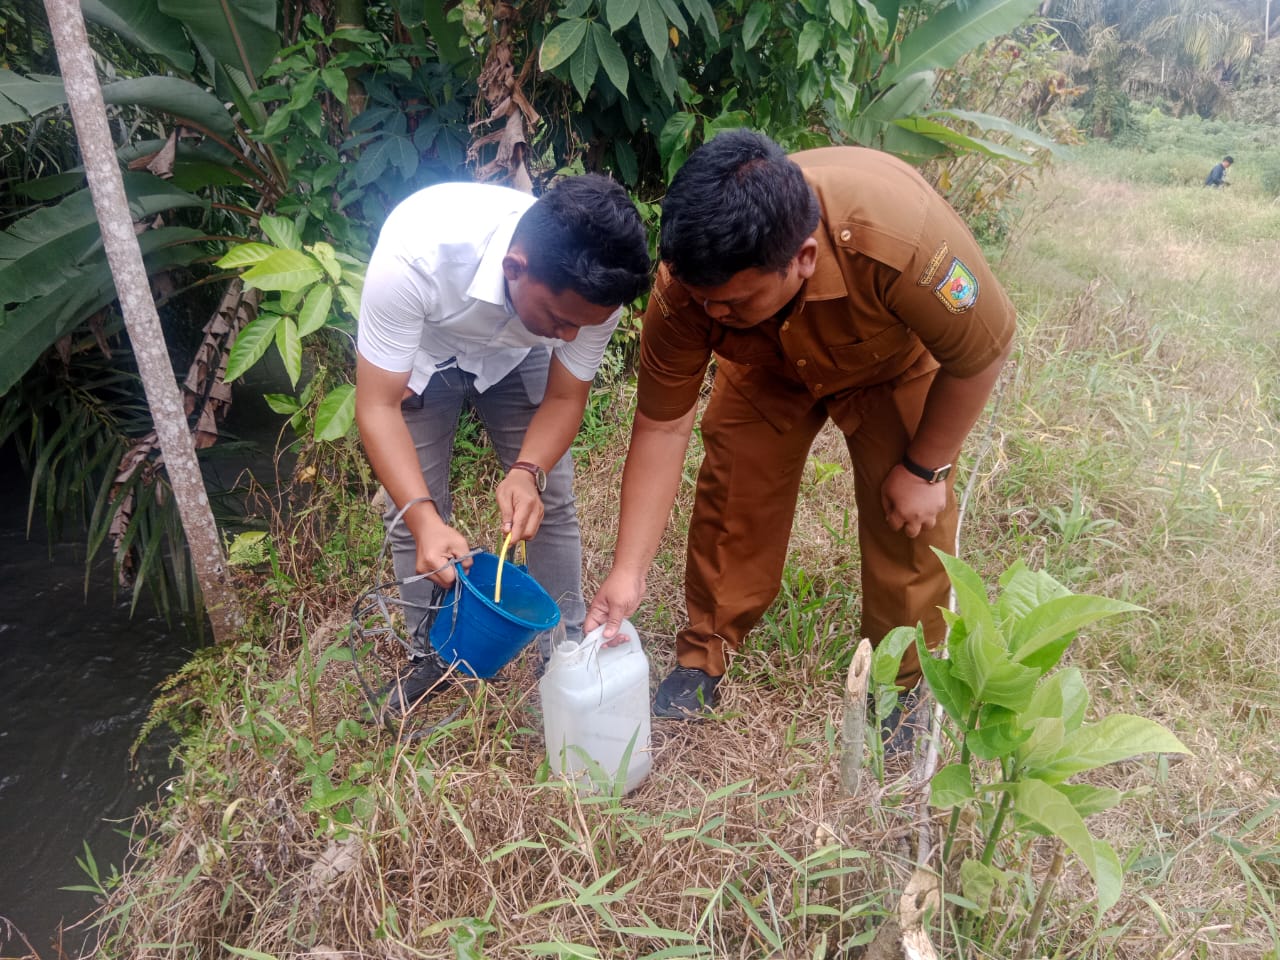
x: 1133, y: 456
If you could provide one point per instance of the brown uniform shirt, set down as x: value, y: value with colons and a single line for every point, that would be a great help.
x: 900, y: 285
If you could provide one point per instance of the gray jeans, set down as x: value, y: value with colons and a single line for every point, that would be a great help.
x: 505, y: 409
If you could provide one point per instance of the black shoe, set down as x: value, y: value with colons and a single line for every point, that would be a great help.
x: 905, y: 721
x: 416, y: 684
x: 686, y: 694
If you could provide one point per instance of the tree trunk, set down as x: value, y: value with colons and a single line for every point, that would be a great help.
x: 89, y: 114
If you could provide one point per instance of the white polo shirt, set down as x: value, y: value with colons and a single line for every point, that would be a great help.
x: 435, y: 296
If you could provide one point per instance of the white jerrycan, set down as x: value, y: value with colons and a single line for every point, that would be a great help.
x: 595, y: 701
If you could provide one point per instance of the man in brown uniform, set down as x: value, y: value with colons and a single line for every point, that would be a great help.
x: 834, y: 283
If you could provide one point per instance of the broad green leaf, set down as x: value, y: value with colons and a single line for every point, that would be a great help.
x: 951, y: 694
x: 1044, y: 743
x: 1036, y: 800
x: 350, y: 298
x: 951, y: 786
x: 1117, y: 737
x: 290, y: 347
x: 282, y: 403
x: 561, y: 43
x: 251, y: 343
x: 810, y: 41
x: 653, y: 24
x: 999, y: 733
x: 702, y: 10
x: 978, y: 882
x: 887, y: 656
x: 989, y: 121
x: 583, y: 66
x: 67, y: 233
x: 902, y: 99
x: 620, y: 12
x: 328, y: 258
x: 1056, y: 620
x: 1108, y: 874
x: 280, y: 231
x: 402, y: 155
x: 241, y: 33
x: 889, y: 9
x: 674, y: 16
x: 985, y: 666
x: 612, y: 58
x: 29, y: 329
x: 1022, y: 590
x: 952, y: 32
x: 731, y: 120
x: 628, y: 162
x: 1062, y: 695
x: 283, y: 270
x: 971, y: 593
x: 1088, y: 799
x: 245, y: 254
x: 755, y: 23
x: 373, y: 162
x: 32, y: 95
x: 336, y: 413
x: 335, y: 80
x: 676, y: 133
x: 179, y: 98
x: 141, y: 23
x: 880, y: 27
x: 944, y: 134
x: 842, y: 12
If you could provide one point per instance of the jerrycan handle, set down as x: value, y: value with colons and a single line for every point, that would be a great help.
x: 595, y: 641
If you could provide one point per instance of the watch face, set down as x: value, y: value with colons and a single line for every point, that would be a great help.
x: 540, y: 478
x: 941, y: 474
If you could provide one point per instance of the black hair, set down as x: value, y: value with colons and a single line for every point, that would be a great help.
x: 585, y: 235
x: 737, y: 203
x: 1228, y: 159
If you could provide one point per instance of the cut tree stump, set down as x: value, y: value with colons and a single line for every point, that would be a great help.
x: 853, y: 746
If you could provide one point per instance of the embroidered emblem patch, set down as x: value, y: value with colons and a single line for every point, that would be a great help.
x: 958, y: 288
x: 935, y: 262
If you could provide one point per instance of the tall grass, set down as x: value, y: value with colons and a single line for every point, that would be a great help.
x: 1132, y: 454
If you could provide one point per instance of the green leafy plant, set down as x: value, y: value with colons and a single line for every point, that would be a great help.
x: 1021, y: 727
x: 312, y: 290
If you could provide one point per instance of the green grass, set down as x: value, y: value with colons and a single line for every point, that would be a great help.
x: 1132, y: 454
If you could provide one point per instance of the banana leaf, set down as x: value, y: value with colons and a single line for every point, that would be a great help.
x: 32, y: 327
x: 240, y: 33
x: 948, y: 35
x: 38, y: 250
x: 140, y: 23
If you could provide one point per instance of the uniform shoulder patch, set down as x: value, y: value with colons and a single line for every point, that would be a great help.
x: 935, y: 262
x: 958, y: 288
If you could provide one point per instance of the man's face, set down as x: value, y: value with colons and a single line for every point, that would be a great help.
x: 753, y: 296
x: 546, y: 313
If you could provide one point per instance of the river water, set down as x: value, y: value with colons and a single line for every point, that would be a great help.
x: 79, y: 677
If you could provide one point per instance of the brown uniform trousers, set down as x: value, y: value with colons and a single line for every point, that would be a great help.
x: 746, y: 500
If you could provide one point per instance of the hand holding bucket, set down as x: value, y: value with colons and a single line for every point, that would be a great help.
x: 482, y: 635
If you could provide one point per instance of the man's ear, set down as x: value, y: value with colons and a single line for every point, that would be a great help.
x: 515, y: 264
x: 807, y: 258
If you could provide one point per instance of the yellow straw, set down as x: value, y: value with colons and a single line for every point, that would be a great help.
x: 502, y: 562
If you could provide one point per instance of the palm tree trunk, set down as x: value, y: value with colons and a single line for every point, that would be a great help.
x: 89, y: 114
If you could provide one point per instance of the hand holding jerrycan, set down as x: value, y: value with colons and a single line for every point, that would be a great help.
x: 595, y: 701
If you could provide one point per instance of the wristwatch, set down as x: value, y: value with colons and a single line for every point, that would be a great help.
x: 539, y: 475
x: 924, y: 473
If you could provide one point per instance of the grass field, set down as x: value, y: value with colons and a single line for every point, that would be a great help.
x: 1132, y: 454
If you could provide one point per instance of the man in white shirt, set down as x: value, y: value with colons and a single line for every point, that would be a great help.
x: 482, y: 295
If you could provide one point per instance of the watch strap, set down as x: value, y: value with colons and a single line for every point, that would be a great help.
x: 924, y: 473
x: 539, y: 475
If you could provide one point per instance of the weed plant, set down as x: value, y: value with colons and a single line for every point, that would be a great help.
x: 1131, y: 455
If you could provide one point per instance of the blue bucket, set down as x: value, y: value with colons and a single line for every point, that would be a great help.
x: 481, y: 636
